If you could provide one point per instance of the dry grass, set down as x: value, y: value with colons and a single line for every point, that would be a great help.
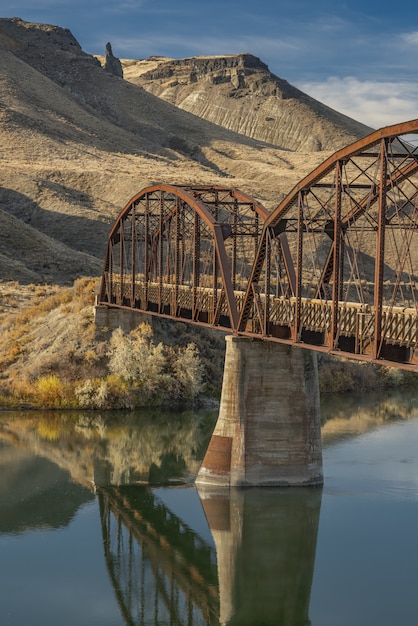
x: 53, y: 355
x: 48, y: 333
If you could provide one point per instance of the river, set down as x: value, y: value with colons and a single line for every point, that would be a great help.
x: 101, y: 524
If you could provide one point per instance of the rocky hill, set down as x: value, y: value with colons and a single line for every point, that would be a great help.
x: 239, y: 92
x: 77, y: 142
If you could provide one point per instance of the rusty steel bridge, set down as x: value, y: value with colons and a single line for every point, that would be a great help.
x: 334, y: 267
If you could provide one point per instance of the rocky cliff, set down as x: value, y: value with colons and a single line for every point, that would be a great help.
x: 239, y: 92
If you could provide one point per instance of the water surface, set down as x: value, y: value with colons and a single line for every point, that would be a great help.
x: 100, y: 523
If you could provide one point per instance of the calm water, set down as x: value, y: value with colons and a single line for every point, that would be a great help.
x: 100, y: 524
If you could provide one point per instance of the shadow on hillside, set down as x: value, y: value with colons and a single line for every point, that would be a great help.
x: 59, y: 247
x: 38, y: 245
x: 81, y: 234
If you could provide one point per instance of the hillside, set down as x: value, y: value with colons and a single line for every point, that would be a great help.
x: 77, y: 143
x: 239, y: 92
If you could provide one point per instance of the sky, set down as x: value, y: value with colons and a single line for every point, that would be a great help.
x: 357, y: 56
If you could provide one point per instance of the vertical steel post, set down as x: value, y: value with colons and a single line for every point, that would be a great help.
x: 167, y: 232
x: 256, y: 234
x: 380, y: 251
x: 337, y: 260
x: 133, y: 255
x: 196, y: 262
x: 122, y: 252
x: 299, y: 267
x: 215, y: 273
x: 177, y: 257
x: 106, y: 282
x: 234, y: 242
x: 146, y: 259
x: 267, y: 285
x: 161, y: 255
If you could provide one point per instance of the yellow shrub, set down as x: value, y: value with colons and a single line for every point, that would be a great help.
x: 49, y: 391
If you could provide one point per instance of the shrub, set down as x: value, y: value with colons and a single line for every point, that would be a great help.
x: 154, y: 372
x: 49, y: 391
x: 188, y: 371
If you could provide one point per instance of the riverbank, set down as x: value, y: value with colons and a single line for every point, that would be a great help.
x: 52, y: 355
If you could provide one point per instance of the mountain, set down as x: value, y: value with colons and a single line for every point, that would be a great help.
x: 77, y: 142
x: 239, y: 92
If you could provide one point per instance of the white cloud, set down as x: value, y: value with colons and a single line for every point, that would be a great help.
x: 374, y: 103
x: 410, y: 38
x: 131, y: 6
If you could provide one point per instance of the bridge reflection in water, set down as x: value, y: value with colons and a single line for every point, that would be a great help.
x: 164, y: 572
x: 161, y: 570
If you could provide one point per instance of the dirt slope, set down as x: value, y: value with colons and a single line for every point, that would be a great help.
x: 76, y: 143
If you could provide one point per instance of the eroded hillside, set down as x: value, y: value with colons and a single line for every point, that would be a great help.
x: 239, y: 92
x: 77, y: 143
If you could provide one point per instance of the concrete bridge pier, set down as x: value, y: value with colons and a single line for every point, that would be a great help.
x: 268, y: 431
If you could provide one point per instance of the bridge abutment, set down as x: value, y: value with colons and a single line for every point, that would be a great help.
x: 268, y: 431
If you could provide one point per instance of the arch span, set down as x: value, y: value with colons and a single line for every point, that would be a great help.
x: 183, y: 252
x: 340, y: 253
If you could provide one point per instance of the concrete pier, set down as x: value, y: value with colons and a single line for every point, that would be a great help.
x: 126, y: 319
x: 268, y: 430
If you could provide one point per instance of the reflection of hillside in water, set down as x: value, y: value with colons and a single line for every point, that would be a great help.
x: 31, y: 492
x: 113, y: 448
x: 154, y: 446
x: 352, y: 414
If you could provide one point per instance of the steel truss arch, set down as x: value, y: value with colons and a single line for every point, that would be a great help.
x: 344, y: 239
x: 333, y: 268
x: 182, y: 252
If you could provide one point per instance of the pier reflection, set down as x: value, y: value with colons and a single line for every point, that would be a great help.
x: 164, y: 572
x: 266, y: 543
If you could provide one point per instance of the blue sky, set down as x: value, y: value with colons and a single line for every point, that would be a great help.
x: 359, y: 56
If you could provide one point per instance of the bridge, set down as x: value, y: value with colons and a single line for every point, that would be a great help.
x: 333, y: 268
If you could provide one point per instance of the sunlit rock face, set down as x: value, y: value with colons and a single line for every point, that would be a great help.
x: 239, y: 92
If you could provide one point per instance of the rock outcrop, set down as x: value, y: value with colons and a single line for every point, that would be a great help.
x: 112, y: 63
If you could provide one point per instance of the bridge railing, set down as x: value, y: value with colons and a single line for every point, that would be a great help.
x: 356, y: 321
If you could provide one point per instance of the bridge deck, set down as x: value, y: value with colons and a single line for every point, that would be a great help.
x: 203, y: 306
